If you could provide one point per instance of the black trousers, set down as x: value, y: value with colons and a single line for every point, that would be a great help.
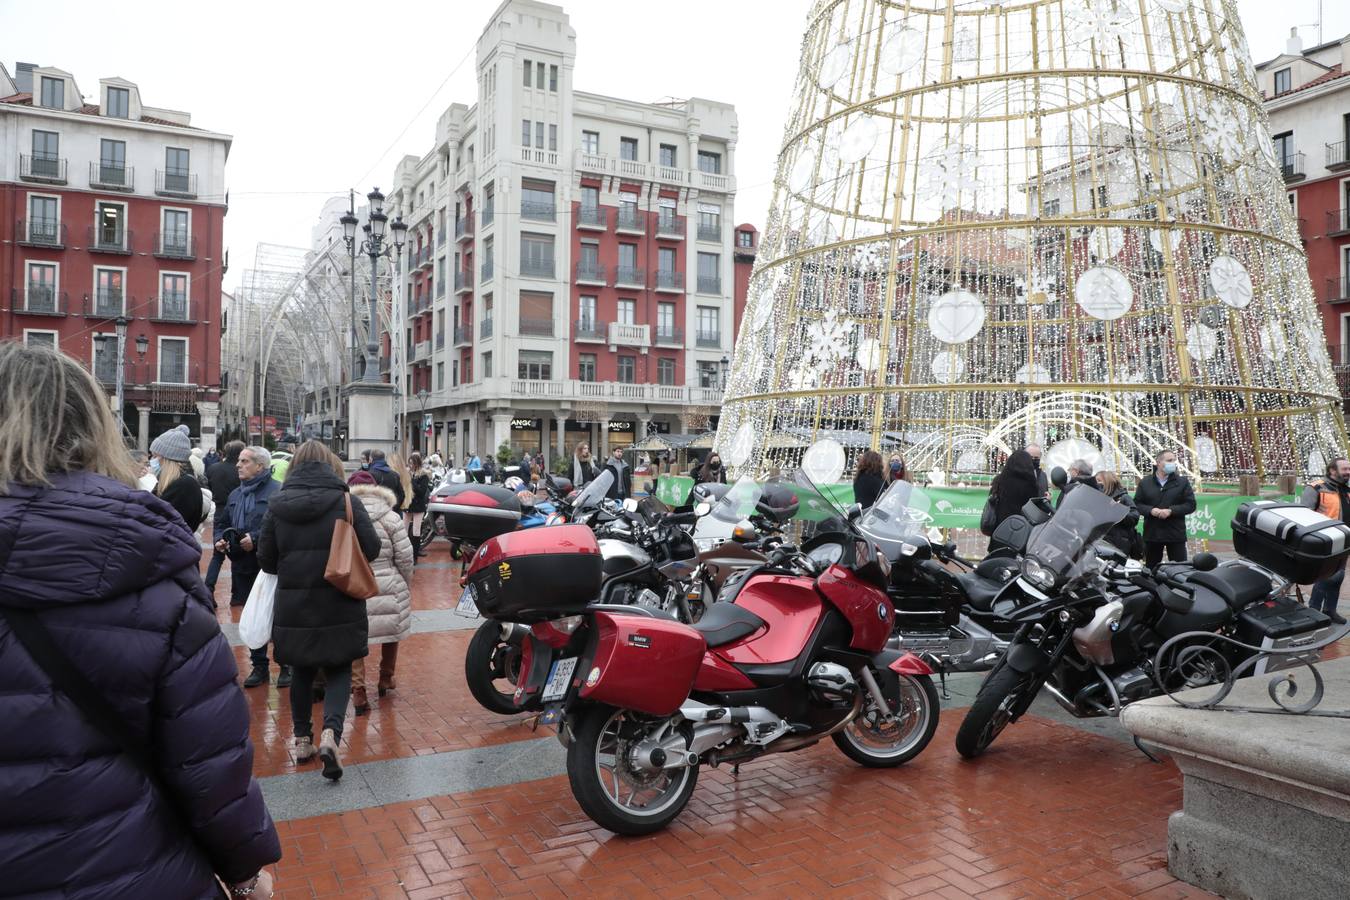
x: 335, y: 696
x: 1153, y: 552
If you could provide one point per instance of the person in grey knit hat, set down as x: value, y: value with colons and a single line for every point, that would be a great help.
x: 174, y: 482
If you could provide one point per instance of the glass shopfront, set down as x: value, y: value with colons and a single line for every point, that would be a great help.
x: 526, y: 436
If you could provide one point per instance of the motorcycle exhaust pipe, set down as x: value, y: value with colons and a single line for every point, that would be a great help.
x: 1062, y: 700
x: 513, y: 633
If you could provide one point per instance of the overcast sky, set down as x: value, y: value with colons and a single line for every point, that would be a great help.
x: 319, y: 101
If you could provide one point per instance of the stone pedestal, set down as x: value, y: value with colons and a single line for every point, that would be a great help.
x: 1266, y: 809
x: 142, y: 428
x: 209, y: 410
x: 370, y: 417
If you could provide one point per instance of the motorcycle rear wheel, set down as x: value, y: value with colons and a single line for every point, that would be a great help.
x: 489, y: 661
x: 1000, y: 698
x: 600, y: 776
x: 428, y: 531
x: 869, y: 742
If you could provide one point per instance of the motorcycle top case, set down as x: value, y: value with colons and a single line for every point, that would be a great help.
x: 1291, y: 540
x: 475, y: 512
x: 537, y: 575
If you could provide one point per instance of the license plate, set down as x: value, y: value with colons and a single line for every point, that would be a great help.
x: 559, y: 678
x: 468, y: 603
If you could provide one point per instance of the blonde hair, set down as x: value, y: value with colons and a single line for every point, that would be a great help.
x: 1110, y: 481
x: 169, y: 470
x: 56, y: 419
x: 401, y: 470
x: 316, y: 451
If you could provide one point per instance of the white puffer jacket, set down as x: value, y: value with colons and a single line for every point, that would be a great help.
x: 389, y: 611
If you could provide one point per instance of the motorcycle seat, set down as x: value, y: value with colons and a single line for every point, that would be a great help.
x: 722, y: 623
x: 1239, y: 586
x: 980, y: 591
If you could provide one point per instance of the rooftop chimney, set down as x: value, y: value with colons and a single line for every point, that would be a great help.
x: 1294, y: 46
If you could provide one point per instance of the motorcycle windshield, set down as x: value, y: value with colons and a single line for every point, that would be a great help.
x: 815, y: 504
x: 593, y: 493
x: 739, y: 502
x: 901, y: 512
x: 1084, y: 518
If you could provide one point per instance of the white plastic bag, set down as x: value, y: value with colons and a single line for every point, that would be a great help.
x: 255, y: 623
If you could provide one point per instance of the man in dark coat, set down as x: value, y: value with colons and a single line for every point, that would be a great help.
x: 1080, y: 473
x: 622, y: 488
x: 314, y: 625
x: 1164, y: 498
x: 386, y: 477
x: 1042, y: 482
x: 244, y: 512
x: 222, y: 477
x: 114, y: 577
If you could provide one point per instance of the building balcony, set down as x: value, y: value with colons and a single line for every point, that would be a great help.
x: 488, y: 213
x: 117, y: 241
x: 42, y: 169
x: 1338, y: 222
x: 674, y: 395
x: 630, y: 277
x: 39, y: 300
x: 708, y: 340
x: 426, y: 258
x: 537, y: 268
x: 485, y: 329
x: 107, y: 177
x: 1294, y: 167
x: 591, y: 217
x: 175, y: 245
x: 590, y: 273
x: 464, y: 281
x: 176, y: 184
x: 711, y: 233
x: 485, y: 272
x: 709, y: 284
x: 539, y: 157
x: 1337, y: 157
x: 421, y: 351
x: 538, y: 212
x: 632, y: 168
x: 670, y: 282
x: 104, y: 304
x: 669, y: 336
x: 624, y: 335
x: 463, y: 335
x: 670, y: 227
x: 1338, y: 290
x: 48, y: 234
x: 536, y: 328
x: 629, y: 220
x: 175, y: 308
x: 589, y: 330
x: 463, y: 228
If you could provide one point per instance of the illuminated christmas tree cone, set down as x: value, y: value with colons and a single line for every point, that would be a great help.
x: 1059, y: 221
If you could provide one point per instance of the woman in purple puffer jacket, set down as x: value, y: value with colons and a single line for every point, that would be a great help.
x: 111, y: 572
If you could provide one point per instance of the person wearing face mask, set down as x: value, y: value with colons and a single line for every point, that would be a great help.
x: 1042, y: 482
x: 1164, y: 498
x: 712, y: 471
x: 583, y: 469
x: 1331, y: 498
x: 174, y: 481
x: 622, y: 488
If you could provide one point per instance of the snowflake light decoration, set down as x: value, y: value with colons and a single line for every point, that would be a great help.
x: 1221, y: 129
x: 1103, y: 22
x: 828, y: 339
x: 952, y: 172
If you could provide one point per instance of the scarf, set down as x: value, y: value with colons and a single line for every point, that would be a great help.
x: 248, y: 499
x: 578, y: 476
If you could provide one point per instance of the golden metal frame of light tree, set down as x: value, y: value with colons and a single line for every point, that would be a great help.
x: 1007, y: 149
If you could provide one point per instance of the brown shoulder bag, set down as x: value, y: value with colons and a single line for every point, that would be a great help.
x: 347, y: 569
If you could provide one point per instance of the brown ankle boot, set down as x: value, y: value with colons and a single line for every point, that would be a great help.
x: 360, y: 701
x: 388, y: 659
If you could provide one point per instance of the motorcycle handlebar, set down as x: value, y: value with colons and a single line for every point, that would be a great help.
x: 684, y: 518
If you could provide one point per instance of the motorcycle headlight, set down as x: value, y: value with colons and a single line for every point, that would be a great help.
x: 704, y: 544
x: 1037, y: 574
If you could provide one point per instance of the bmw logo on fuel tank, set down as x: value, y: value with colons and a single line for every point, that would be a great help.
x: 881, y: 611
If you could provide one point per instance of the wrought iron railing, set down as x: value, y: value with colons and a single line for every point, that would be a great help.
x: 175, y: 183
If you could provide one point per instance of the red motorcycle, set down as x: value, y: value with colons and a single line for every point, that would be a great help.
x: 793, y: 651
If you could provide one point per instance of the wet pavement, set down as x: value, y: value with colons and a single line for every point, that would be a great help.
x: 441, y: 797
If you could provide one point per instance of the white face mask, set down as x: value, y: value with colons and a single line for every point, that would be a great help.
x: 154, y: 466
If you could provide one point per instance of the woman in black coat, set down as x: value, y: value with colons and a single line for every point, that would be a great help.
x: 1014, y: 486
x: 868, y: 483
x: 1125, y: 534
x: 314, y: 626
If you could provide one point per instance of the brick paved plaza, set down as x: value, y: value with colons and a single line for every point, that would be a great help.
x: 442, y: 798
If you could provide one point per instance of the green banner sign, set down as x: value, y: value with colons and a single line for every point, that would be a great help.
x: 673, y: 490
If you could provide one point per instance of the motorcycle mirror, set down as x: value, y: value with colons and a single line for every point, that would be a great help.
x: 1204, y: 562
x: 1058, y: 477
x: 702, y: 509
x: 630, y: 505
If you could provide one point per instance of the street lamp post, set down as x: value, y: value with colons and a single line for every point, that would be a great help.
x: 422, y: 396
x: 726, y: 364
x: 374, y: 246
x: 121, y: 324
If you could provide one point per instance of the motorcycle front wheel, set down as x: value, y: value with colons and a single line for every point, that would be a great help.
x: 1001, y: 697
x: 609, y: 789
x: 877, y: 742
x: 428, y: 531
x: 492, y: 669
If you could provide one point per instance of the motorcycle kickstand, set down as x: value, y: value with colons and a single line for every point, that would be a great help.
x: 942, y: 679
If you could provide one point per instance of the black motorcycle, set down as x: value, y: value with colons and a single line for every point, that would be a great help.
x: 1096, y: 621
